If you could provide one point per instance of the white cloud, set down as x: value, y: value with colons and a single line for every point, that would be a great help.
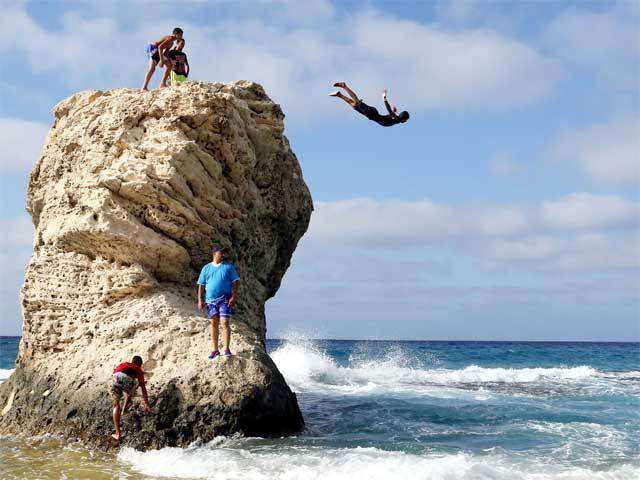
x: 368, y: 222
x: 421, y: 269
x: 602, y: 253
x: 606, y: 41
x: 585, y: 210
x: 462, y: 68
x: 579, y: 231
x: 587, y: 252
x: 608, y: 152
x: 298, y: 57
x: 525, y: 249
x: 22, y: 143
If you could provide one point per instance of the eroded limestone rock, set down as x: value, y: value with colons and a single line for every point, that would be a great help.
x: 130, y: 193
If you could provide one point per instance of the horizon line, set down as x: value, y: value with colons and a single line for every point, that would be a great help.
x: 432, y: 340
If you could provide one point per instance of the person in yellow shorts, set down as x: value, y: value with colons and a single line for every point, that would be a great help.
x: 179, y: 66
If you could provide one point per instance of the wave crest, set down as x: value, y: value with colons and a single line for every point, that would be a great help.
x: 307, y: 367
x: 311, y: 463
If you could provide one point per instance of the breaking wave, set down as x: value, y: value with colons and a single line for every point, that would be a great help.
x: 307, y: 368
x: 310, y: 463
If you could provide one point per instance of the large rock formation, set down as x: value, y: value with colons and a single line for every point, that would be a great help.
x: 131, y: 192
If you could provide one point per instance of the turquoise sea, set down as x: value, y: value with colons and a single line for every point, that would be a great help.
x: 409, y: 410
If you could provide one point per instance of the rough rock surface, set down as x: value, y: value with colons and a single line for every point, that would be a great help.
x: 131, y: 192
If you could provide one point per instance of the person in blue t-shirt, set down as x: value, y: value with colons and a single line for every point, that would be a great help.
x: 217, y: 293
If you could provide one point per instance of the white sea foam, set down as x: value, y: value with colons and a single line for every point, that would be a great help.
x: 5, y: 373
x: 307, y: 368
x: 311, y: 463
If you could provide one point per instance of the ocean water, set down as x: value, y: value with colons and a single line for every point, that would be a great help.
x: 410, y: 410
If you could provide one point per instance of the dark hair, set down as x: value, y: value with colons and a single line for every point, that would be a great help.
x: 137, y: 360
x: 178, y: 30
x: 403, y: 116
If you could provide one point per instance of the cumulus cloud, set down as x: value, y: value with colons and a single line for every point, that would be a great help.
x: 588, y: 211
x: 368, y: 222
x: 579, y: 231
x: 22, y: 143
x: 297, y: 57
x: 463, y: 68
x: 606, y: 41
x: 439, y: 266
x: 607, y: 152
x: 593, y: 252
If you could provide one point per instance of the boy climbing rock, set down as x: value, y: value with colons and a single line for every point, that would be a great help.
x: 126, y: 377
x: 156, y: 52
x: 217, y: 293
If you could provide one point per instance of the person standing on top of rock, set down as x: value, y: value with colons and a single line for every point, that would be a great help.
x: 392, y: 118
x: 217, y: 293
x: 156, y: 54
x: 126, y: 377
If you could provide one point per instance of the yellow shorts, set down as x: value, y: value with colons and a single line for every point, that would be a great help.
x: 175, y: 78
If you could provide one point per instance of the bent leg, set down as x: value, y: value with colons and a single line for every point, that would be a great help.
x: 127, y: 402
x: 116, y: 419
x: 167, y: 71
x: 147, y: 78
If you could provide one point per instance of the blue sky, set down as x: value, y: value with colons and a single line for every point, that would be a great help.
x: 506, y: 208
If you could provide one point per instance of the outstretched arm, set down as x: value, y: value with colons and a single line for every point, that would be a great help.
x: 391, y: 111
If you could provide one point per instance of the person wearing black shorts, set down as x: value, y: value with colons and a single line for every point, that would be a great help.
x: 156, y: 54
x: 392, y: 118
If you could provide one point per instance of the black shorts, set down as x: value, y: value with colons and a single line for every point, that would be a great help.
x: 152, y: 53
x: 368, y: 111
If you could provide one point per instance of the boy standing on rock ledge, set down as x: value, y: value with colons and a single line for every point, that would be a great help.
x: 217, y: 293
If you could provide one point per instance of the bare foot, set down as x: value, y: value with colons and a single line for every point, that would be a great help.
x: 115, y: 436
x: 340, y: 84
x: 163, y: 85
x: 144, y: 89
x: 334, y: 94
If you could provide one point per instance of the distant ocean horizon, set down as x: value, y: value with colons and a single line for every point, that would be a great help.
x: 285, y: 336
x: 435, y: 409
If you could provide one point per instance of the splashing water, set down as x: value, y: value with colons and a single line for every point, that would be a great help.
x: 419, y: 410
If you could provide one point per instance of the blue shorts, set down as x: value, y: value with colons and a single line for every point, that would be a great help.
x: 152, y: 53
x: 219, y: 306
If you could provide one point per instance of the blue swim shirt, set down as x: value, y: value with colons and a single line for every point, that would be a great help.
x: 218, y: 280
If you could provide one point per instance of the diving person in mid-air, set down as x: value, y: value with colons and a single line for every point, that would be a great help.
x: 392, y: 118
